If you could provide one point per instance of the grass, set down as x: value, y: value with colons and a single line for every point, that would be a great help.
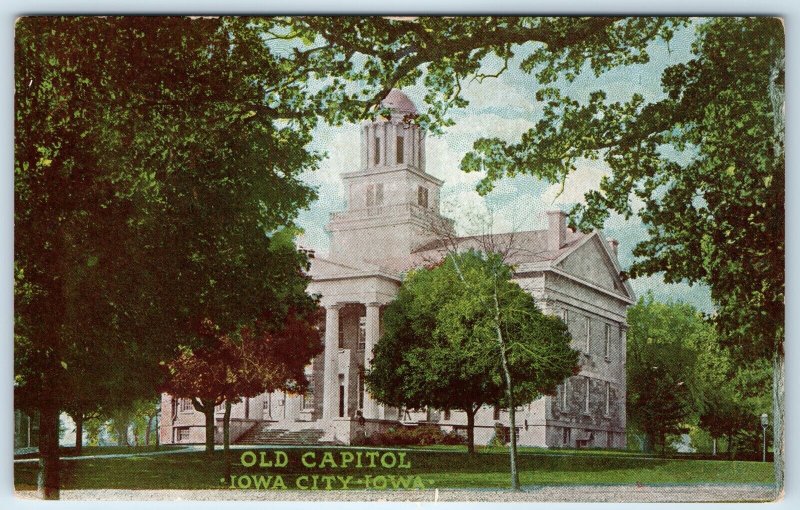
x: 439, y: 469
x: 69, y: 451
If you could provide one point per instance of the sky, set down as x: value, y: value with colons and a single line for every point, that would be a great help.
x: 505, y: 107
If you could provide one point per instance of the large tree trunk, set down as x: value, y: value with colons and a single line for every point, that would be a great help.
x: 470, y: 428
x: 226, y: 438
x: 208, y: 411
x: 48, y: 482
x: 147, y: 430
x: 207, y: 408
x: 778, y: 414
x: 79, y: 417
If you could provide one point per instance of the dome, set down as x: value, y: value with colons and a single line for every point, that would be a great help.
x: 399, y: 102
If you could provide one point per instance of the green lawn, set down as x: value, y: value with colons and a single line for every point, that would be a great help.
x: 197, y: 470
x: 69, y: 451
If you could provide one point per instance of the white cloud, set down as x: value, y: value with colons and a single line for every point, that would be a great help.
x: 496, y: 93
x: 586, y: 177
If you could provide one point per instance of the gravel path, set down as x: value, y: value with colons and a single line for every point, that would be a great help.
x: 578, y: 493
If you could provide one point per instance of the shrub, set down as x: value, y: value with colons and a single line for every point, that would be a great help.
x: 422, y: 435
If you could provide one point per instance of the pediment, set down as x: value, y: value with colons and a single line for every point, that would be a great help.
x: 330, y: 268
x: 594, y: 262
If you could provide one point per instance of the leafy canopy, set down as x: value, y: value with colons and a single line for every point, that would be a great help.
x: 439, y: 345
x: 713, y: 215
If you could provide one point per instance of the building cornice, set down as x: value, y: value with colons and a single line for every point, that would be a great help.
x: 393, y: 169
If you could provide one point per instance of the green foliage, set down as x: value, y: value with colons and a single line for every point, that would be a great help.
x: 439, y: 346
x: 423, y: 435
x: 139, y: 213
x: 714, y: 214
x: 157, y: 162
x: 734, y: 400
x: 680, y: 378
x: 443, y: 53
x: 663, y: 366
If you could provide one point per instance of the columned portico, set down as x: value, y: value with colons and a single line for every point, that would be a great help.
x: 371, y: 338
x: 330, y: 405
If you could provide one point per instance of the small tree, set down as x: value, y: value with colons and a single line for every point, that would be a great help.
x: 253, y: 359
x: 664, y: 387
x: 440, y: 344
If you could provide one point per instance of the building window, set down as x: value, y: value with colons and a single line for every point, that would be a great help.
x: 183, y: 434
x: 400, y: 146
x: 362, y: 334
x: 268, y: 404
x: 566, y: 433
x: 565, y: 316
x: 609, y: 439
x: 422, y: 196
x: 608, y: 342
x: 608, y: 398
x: 588, y: 335
x: 496, y: 415
x: 185, y: 404
x: 586, y: 399
x: 342, y: 402
x: 375, y: 194
x: 377, y: 150
x: 447, y: 414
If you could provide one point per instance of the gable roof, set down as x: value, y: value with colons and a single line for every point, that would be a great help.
x: 528, y: 252
x: 523, y: 247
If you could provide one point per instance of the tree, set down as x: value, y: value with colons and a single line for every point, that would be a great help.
x: 439, y: 346
x: 714, y: 215
x: 734, y: 399
x: 261, y: 357
x: 144, y: 194
x: 663, y: 367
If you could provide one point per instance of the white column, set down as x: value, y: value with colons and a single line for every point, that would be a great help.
x: 421, y: 150
x: 364, y: 147
x: 408, y: 132
x: 330, y: 402
x: 370, y: 145
x: 371, y: 338
x: 391, y: 151
x: 412, y: 142
x: 385, y: 144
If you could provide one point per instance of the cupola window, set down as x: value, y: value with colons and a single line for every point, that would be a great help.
x: 400, y: 147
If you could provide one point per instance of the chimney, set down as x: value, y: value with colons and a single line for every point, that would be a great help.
x: 614, y: 244
x: 556, y: 230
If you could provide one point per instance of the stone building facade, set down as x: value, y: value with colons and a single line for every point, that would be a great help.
x: 391, y: 224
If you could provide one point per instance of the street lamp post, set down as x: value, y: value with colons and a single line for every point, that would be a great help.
x: 764, y: 423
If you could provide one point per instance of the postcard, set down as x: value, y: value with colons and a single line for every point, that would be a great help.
x: 399, y: 258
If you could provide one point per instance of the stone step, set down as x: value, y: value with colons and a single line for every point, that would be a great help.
x: 264, y: 434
